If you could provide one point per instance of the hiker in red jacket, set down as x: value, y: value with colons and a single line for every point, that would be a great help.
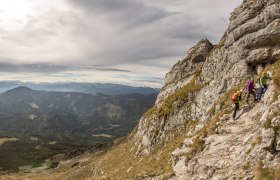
x: 251, y: 90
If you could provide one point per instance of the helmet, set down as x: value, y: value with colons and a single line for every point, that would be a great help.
x: 238, y: 93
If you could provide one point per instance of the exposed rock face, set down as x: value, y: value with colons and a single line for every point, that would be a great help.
x: 251, y: 42
x: 182, y: 72
x: 235, y: 151
x: 190, y: 63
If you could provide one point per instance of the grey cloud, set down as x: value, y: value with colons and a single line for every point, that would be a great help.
x: 52, y: 68
x: 143, y: 79
x: 188, y: 29
x: 151, y: 81
x: 37, y: 68
x: 102, y: 69
x: 130, y: 12
x: 99, y: 35
x: 112, y: 69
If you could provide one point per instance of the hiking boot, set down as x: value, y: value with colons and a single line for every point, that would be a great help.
x: 232, y: 122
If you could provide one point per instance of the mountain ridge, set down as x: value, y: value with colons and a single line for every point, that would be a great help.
x: 105, y: 88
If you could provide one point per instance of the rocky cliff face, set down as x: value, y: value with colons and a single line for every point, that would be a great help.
x: 195, y: 101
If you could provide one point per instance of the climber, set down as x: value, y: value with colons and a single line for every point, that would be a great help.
x: 251, y: 90
x: 263, y: 84
x: 236, y: 98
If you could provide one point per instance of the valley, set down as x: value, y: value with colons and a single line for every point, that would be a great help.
x: 35, y: 125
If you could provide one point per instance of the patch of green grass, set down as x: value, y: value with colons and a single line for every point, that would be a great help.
x: 257, y: 141
x: 212, y: 111
x: 196, y: 147
x: 246, y: 166
x: 267, y: 123
x: 150, y: 112
x: 54, y: 165
x: 267, y: 173
x: 276, y: 79
x: 221, y: 43
x: 181, y: 96
x: 26, y: 152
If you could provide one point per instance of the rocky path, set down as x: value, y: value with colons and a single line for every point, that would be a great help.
x: 229, y: 151
x: 227, y: 154
x: 246, y: 120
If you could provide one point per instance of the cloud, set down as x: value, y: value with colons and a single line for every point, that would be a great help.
x: 38, y: 68
x: 111, y: 69
x: 102, y: 40
x: 130, y: 12
x: 52, y: 68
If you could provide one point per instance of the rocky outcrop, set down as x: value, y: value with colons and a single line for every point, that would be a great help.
x: 181, y: 73
x: 190, y: 63
x: 206, y: 76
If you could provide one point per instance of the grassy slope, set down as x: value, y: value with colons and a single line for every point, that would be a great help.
x: 120, y: 162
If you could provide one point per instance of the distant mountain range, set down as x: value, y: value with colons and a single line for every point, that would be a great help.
x: 48, y: 123
x: 104, y: 88
x: 27, y: 111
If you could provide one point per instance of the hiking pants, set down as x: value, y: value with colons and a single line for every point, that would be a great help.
x: 236, y: 108
x: 249, y: 94
x: 262, y: 91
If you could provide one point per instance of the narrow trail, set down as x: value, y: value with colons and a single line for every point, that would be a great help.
x: 234, y: 143
x: 246, y: 120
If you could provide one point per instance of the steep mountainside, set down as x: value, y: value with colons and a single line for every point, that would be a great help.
x: 188, y: 133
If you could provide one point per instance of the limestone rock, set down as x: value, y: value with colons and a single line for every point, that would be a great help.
x: 230, y: 151
x: 190, y: 63
x: 268, y: 138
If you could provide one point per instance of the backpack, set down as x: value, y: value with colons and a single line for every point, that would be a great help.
x: 258, y: 80
x: 234, y: 97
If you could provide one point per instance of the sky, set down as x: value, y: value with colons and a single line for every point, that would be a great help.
x: 133, y: 42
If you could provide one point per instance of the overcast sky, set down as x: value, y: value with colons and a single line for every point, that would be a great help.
x: 134, y: 42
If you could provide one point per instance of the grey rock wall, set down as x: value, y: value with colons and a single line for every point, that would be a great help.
x: 251, y: 42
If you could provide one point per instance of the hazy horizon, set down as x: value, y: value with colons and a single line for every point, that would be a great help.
x: 128, y: 42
